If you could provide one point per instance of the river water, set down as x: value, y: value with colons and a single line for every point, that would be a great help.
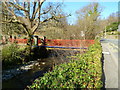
x: 55, y: 57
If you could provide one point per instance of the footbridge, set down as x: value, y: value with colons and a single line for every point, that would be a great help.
x: 57, y: 43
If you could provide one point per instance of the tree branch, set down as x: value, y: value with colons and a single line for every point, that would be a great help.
x: 47, y: 19
x: 45, y: 12
x: 34, y: 7
x: 28, y: 10
x: 19, y: 7
x: 37, y: 10
x: 35, y: 27
x: 39, y: 6
x: 11, y: 11
x: 12, y: 21
x: 55, y: 18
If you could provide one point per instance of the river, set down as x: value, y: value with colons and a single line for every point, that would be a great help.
x: 56, y: 57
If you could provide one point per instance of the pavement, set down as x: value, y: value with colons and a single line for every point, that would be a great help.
x: 110, y: 64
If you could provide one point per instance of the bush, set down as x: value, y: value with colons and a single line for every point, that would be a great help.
x: 85, y: 72
x: 11, y: 55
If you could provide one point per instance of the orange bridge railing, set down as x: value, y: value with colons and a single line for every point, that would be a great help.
x: 58, y: 42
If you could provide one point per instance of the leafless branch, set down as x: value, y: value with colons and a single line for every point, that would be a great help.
x: 18, y: 7
x: 38, y: 9
x: 45, y: 12
x: 11, y: 11
x: 11, y: 21
x: 34, y: 7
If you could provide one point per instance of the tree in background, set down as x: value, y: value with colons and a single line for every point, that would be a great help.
x: 9, y: 28
x: 88, y: 20
x: 112, y: 22
x: 113, y: 17
x: 55, y: 29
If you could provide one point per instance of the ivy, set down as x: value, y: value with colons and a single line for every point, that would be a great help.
x: 85, y: 72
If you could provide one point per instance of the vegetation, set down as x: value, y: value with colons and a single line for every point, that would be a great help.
x: 11, y: 55
x: 21, y: 14
x: 30, y: 18
x: 88, y: 20
x: 84, y: 71
x: 14, y: 55
x: 10, y: 28
x: 53, y: 21
x: 113, y: 33
x: 112, y: 27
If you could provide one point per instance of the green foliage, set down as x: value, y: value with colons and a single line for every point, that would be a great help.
x: 112, y: 27
x: 113, y: 33
x: 85, y: 72
x: 11, y: 55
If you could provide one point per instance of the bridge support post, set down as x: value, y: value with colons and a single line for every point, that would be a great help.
x: 36, y: 40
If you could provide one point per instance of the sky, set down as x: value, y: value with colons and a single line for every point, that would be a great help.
x: 71, y: 7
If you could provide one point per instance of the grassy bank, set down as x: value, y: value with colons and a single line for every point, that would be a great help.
x: 84, y: 71
x: 12, y: 56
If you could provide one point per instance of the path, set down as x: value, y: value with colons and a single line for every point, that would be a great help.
x: 110, y: 65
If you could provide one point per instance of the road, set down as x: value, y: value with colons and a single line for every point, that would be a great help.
x: 0, y: 67
x: 110, y: 66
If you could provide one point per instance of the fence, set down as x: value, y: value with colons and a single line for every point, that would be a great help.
x: 69, y: 43
x: 59, y: 42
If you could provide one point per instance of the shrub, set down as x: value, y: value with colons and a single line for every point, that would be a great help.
x: 10, y: 55
x: 85, y: 72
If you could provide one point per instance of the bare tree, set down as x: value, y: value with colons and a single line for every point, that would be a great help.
x: 29, y: 15
x: 88, y: 20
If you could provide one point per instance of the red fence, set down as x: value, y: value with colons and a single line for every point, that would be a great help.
x: 69, y: 43
x: 19, y: 41
x: 59, y: 42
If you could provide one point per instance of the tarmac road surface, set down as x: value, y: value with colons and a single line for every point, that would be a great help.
x: 110, y: 65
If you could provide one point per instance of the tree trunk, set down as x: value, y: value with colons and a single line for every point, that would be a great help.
x: 30, y: 43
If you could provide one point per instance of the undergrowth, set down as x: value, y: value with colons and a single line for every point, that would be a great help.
x: 85, y: 72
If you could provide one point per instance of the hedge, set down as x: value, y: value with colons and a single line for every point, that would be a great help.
x: 85, y: 72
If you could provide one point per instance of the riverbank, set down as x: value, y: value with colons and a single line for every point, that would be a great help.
x: 83, y: 71
x: 8, y: 74
x: 25, y: 74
